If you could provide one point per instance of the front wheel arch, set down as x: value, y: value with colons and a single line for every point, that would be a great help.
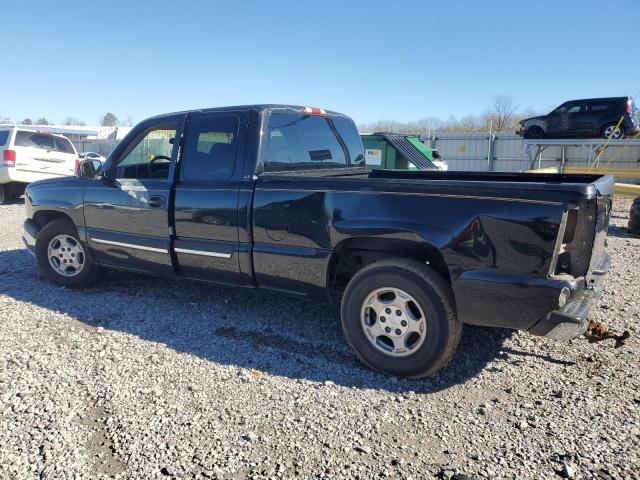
x: 44, y: 217
x: 534, y: 131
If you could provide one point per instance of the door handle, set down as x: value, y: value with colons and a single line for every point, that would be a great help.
x: 156, y: 201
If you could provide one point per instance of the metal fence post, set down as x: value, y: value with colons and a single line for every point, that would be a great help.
x: 490, y: 155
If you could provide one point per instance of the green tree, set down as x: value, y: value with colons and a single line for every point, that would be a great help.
x: 42, y: 121
x: 27, y: 121
x: 109, y: 120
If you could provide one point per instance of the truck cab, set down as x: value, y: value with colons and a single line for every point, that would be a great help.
x: 176, y: 194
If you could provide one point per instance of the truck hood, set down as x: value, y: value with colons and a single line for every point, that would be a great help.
x: 539, y: 117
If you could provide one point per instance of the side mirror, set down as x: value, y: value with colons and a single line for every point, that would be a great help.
x: 86, y: 169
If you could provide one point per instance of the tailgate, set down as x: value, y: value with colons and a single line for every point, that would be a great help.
x: 604, y: 187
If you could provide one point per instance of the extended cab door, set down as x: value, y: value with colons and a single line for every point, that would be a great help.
x: 127, y: 214
x: 207, y: 192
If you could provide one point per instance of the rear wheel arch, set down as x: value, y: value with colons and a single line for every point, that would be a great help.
x: 353, y: 254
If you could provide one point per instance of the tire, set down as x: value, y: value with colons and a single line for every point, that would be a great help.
x: 534, y: 132
x: 634, y: 217
x: 428, y: 300
x: 81, y: 269
x: 608, y: 128
x: 4, y: 193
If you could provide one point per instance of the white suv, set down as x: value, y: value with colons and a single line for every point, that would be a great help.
x: 30, y: 155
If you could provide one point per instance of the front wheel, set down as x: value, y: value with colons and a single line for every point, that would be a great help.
x: 610, y: 131
x: 62, y: 258
x: 534, y: 132
x: 399, y: 318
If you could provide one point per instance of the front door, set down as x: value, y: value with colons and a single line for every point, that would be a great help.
x: 578, y: 122
x: 127, y: 214
x: 207, y: 191
x: 558, y: 121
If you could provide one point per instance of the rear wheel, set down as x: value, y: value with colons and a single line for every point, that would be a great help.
x: 62, y: 258
x: 534, y: 132
x: 4, y: 193
x: 610, y: 130
x: 398, y: 317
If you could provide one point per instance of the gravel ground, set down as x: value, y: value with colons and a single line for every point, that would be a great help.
x: 145, y: 378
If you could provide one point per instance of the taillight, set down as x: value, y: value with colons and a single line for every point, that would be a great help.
x: 75, y: 168
x: 630, y: 107
x: 314, y: 111
x: 9, y: 158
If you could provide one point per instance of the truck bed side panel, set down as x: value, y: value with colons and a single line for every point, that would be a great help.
x: 486, y: 241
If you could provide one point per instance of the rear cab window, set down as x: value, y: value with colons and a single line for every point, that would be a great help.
x: 300, y: 141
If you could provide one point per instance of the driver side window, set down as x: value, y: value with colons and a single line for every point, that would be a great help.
x: 149, y: 155
x: 568, y: 108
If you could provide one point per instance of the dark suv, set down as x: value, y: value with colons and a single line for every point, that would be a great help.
x: 594, y: 117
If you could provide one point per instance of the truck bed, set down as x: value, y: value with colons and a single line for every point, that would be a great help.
x: 537, y: 186
x: 583, y: 183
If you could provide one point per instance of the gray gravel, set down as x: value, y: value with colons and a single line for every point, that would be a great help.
x: 145, y: 378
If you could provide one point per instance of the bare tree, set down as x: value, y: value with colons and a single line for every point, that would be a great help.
x: 27, y: 121
x: 74, y: 121
x: 42, y: 121
x: 127, y: 122
x: 501, y: 113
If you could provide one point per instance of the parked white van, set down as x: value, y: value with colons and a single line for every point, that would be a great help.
x: 30, y: 155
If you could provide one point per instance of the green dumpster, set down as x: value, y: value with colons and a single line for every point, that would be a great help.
x: 396, y: 151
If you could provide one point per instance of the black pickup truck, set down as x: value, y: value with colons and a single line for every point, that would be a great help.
x: 278, y: 197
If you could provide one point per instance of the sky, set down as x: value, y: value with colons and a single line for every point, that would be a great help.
x: 373, y: 60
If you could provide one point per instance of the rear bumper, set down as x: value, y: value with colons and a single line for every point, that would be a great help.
x: 13, y: 174
x: 4, y: 175
x: 572, y: 320
x: 29, y: 235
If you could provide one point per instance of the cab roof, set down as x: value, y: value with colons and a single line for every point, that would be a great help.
x: 259, y: 107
